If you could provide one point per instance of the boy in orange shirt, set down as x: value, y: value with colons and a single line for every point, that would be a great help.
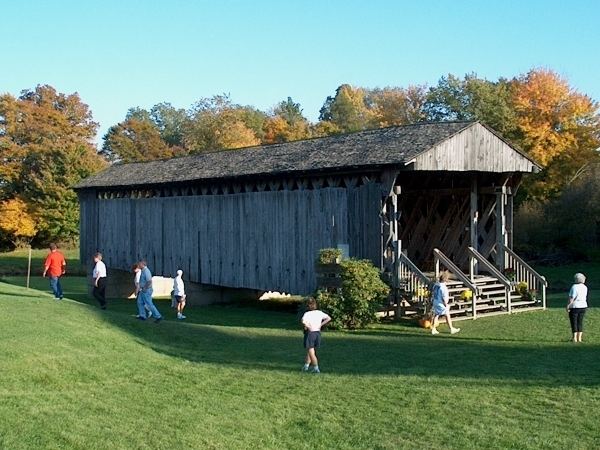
x: 54, y: 266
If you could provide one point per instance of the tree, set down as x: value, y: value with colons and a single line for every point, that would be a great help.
x: 347, y: 109
x: 557, y: 126
x: 473, y: 98
x: 396, y: 106
x: 17, y: 222
x: 46, y: 146
x: 135, y: 140
x: 171, y: 123
x: 286, y: 124
x: 217, y: 123
x: 551, y: 115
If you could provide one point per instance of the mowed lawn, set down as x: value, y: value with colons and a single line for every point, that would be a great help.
x: 73, y: 376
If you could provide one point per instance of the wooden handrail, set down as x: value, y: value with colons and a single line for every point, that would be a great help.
x: 456, y: 271
x: 540, y: 278
x: 413, y: 268
x: 490, y: 267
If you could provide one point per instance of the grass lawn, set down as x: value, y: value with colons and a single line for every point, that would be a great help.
x: 73, y: 376
x: 15, y: 262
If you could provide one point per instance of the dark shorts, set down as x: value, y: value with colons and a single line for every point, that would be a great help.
x: 179, y: 298
x: 312, y: 339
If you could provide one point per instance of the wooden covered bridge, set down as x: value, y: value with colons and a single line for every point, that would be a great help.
x: 413, y: 199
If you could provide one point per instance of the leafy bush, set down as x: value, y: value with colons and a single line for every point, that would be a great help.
x: 329, y: 256
x: 362, y: 293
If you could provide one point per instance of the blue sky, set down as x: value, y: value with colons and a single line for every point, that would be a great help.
x: 120, y: 54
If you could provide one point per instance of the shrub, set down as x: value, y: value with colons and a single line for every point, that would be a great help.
x: 361, y: 295
x: 329, y: 256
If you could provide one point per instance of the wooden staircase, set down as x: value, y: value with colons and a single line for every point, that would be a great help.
x: 492, y: 299
x: 484, y: 291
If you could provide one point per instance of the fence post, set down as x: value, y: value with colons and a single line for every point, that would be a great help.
x: 29, y: 267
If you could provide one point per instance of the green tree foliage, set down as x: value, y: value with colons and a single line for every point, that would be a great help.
x: 473, y: 98
x: 46, y: 147
x: 361, y: 296
x: 171, y: 123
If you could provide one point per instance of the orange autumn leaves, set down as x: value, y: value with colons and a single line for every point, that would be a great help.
x: 551, y: 115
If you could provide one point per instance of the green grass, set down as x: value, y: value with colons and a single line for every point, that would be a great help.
x: 560, y: 278
x: 75, y: 377
x: 15, y: 262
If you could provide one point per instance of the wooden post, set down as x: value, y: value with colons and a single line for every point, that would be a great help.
x: 509, y: 219
x: 500, y: 226
x: 473, y: 222
x: 29, y: 267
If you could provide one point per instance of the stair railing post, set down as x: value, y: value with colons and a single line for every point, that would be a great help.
x: 474, y: 305
x: 508, y: 300
x: 471, y: 267
x: 543, y: 294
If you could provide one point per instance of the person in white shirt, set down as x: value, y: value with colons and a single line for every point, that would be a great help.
x: 99, y: 280
x: 179, y: 294
x: 313, y: 320
x: 577, y: 306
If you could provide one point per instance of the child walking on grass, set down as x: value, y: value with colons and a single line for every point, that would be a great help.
x: 441, y: 298
x: 313, y: 320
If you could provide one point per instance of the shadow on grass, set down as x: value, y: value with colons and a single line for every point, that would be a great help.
x: 265, y: 340
x: 376, y: 353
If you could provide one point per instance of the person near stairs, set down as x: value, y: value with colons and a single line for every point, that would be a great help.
x: 441, y: 298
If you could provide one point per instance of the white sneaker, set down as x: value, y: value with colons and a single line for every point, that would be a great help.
x: 454, y: 330
x: 305, y: 368
x: 434, y: 331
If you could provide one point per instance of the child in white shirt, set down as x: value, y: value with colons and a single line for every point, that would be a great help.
x: 313, y: 320
x: 179, y: 294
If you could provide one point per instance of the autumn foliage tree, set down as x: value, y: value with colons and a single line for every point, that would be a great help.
x: 17, y: 223
x: 286, y: 124
x: 46, y: 147
x: 135, y: 139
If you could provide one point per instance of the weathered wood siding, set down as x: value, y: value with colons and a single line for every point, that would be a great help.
x: 88, y: 225
x: 473, y: 149
x: 364, y: 222
x: 259, y: 240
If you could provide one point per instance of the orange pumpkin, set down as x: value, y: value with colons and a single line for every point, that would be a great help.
x: 425, y: 323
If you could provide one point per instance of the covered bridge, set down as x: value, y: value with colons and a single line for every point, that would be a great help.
x: 411, y: 199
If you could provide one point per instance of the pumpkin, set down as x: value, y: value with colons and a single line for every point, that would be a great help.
x: 425, y: 323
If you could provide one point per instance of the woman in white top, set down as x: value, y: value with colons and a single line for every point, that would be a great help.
x: 577, y: 306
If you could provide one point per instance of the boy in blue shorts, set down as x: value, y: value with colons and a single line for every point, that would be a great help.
x: 313, y: 320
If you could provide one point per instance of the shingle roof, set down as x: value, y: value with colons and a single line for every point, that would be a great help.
x: 371, y: 148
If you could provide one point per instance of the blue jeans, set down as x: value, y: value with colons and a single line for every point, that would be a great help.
x: 144, y: 300
x: 56, y: 287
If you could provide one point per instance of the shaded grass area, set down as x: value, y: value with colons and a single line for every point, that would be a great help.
x: 77, y: 377
x: 16, y: 262
x: 560, y: 278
